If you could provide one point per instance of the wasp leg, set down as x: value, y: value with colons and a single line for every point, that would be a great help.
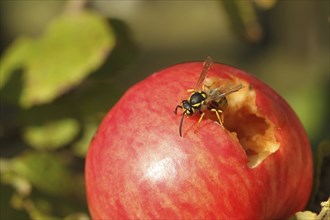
x: 200, y: 119
x: 176, y: 109
x: 190, y: 90
x: 219, y: 114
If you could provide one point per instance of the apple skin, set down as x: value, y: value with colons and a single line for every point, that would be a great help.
x: 138, y: 167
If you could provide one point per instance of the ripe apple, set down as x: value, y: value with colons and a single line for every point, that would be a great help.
x: 257, y: 166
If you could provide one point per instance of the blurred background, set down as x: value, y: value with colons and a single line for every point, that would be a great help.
x: 64, y: 64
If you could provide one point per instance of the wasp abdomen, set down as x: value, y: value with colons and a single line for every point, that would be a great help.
x: 221, y: 104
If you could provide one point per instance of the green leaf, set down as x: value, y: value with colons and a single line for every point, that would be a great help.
x: 14, y: 58
x: 47, y: 172
x: 8, y: 177
x: 7, y: 211
x: 51, y: 135
x: 73, y: 46
x: 36, y: 212
x: 81, y: 146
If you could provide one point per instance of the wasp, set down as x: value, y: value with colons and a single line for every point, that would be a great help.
x: 206, y: 98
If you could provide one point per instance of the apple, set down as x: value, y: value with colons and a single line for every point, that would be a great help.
x: 258, y: 165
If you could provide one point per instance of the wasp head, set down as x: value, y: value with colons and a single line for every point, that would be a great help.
x: 187, y: 107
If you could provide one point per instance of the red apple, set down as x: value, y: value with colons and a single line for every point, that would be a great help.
x: 258, y: 166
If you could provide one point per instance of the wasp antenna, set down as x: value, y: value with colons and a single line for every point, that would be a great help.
x: 176, y: 109
x: 181, y: 122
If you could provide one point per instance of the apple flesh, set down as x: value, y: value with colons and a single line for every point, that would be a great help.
x: 258, y: 166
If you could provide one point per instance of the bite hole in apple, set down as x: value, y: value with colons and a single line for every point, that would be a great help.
x: 254, y: 131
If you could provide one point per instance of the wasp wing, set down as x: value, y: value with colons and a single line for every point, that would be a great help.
x: 206, y: 66
x: 218, y: 93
